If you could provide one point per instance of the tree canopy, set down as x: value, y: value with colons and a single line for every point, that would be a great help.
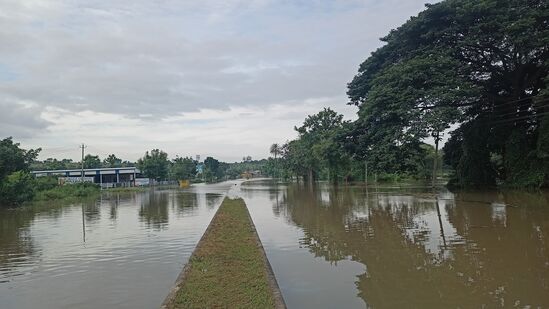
x: 15, y: 179
x: 154, y: 164
x: 13, y: 158
x: 182, y: 168
x: 91, y: 161
x: 478, y: 65
x: 112, y: 161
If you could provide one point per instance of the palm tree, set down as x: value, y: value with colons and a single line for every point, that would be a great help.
x: 275, y: 151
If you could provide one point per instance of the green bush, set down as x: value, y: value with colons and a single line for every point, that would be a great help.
x: 389, y: 177
x: 67, y: 191
x: 45, y: 183
x: 17, y: 188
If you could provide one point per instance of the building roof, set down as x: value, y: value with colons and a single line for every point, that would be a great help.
x: 123, y: 170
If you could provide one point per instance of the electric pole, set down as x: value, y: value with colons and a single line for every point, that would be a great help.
x: 366, y: 172
x: 83, y: 147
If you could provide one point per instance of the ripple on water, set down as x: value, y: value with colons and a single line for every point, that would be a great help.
x: 132, y: 244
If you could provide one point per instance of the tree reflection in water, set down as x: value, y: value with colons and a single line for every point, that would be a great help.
x: 15, y: 244
x: 154, y: 209
x: 428, y: 250
x: 18, y: 251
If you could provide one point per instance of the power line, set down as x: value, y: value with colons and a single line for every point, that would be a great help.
x: 519, y: 100
x: 517, y: 118
x: 495, y: 115
x: 533, y: 99
x: 525, y: 103
x: 519, y: 105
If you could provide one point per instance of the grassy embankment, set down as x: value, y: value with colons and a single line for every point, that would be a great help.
x: 127, y: 189
x: 228, y: 268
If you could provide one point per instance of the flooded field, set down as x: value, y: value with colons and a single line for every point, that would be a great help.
x: 344, y: 247
x: 120, y: 251
x: 404, y: 247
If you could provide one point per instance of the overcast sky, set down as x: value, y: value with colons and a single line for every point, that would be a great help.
x: 221, y: 78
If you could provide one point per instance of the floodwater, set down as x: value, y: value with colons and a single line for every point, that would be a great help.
x: 330, y: 247
x: 403, y: 247
x: 120, y: 251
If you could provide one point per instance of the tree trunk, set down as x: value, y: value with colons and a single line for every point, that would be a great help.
x: 435, y: 159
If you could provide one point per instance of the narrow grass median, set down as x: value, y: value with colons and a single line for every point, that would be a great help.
x: 228, y: 268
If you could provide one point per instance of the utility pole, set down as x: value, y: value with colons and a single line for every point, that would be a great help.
x: 366, y: 172
x: 83, y: 147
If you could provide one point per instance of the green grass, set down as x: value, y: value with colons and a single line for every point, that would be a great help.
x: 79, y: 190
x: 127, y: 189
x: 227, y: 269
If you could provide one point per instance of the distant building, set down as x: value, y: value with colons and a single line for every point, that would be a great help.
x: 200, y: 168
x: 106, y: 177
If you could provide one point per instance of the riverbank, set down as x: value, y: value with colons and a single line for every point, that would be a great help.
x: 228, y: 268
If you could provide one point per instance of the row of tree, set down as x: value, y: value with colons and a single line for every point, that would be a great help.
x: 90, y: 161
x: 156, y: 165
x: 17, y: 184
x: 476, y: 67
x: 323, y: 151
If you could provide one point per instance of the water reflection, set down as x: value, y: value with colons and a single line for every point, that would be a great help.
x: 16, y: 247
x: 422, y: 249
x: 154, y: 209
x: 330, y: 247
x: 187, y: 203
x: 92, y: 211
x: 118, y: 251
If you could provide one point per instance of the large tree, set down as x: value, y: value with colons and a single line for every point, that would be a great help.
x: 318, y: 147
x: 91, y: 161
x: 183, y: 168
x: 481, y: 65
x: 13, y: 158
x: 212, y: 169
x: 112, y: 161
x: 154, y: 164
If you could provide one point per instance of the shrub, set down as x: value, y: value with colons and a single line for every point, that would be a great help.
x: 68, y: 190
x: 45, y: 183
x: 17, y: 188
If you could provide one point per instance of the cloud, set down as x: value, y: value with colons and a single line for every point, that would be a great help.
x: 21, y: 119
x: 147, y: 61
x: 228, y: 134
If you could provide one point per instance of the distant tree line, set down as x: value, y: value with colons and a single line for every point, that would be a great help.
x: 322, y: 152
x: 155, y: 164
x: 90, y: 161
x: 17, y: 185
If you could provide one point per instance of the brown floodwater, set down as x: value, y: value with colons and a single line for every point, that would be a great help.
x: 404, y: 247
x: 118, y: 251
x: 330, y: 247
